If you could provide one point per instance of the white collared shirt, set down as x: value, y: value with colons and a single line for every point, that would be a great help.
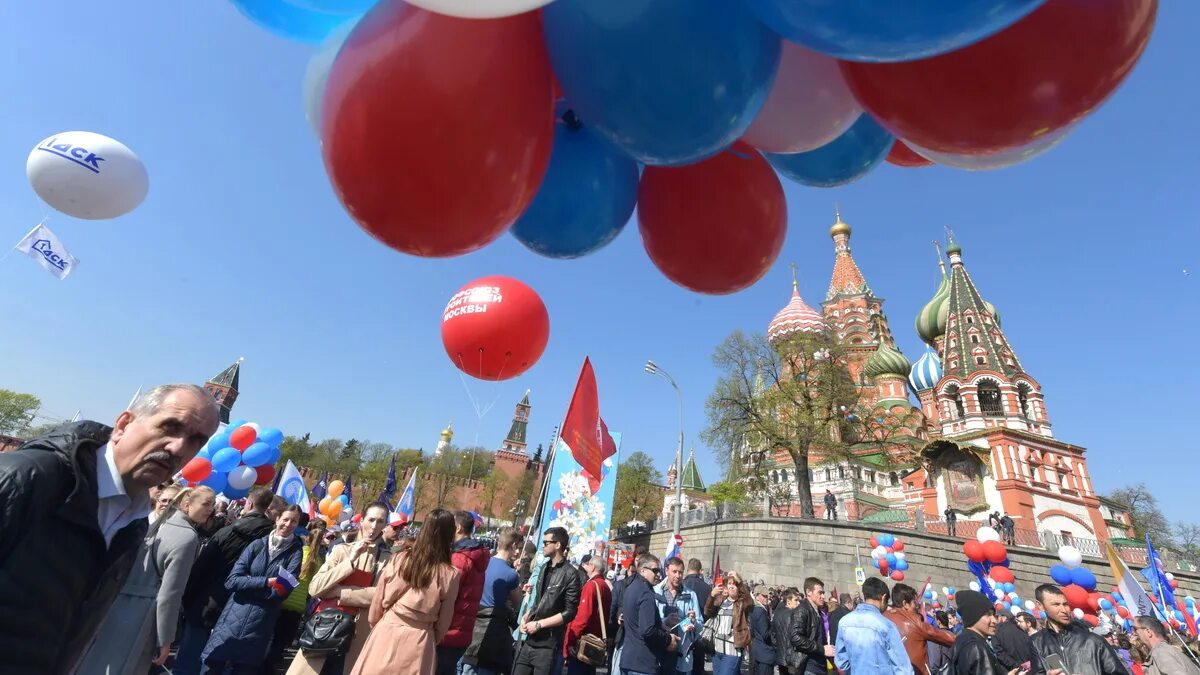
x: 116, y: 509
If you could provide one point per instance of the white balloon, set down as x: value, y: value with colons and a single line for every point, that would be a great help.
x: 878, y: 552
x: 974, y: 585
x: 87, y: 175
x: 809, y: 104
x: 1170, y: 576
x: 479, y: 9
x: 1016, y: 609
x: 242, y: 477
x: 1078, y: 613
x: 985, y: 534
x: 316, y: 75
x: 255, y: 427
x: 1070, y: 556
x: 899, y: 555
x: 1029, y: 605
x: 945, y: 590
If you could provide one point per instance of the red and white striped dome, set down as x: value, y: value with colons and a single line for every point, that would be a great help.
x: 796, y: 316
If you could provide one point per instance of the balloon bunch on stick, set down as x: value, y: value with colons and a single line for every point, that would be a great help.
x: 540, y: 127
x: 888, y: 556
x: 987, y: 559
x: 333, y: 506
x: 236, y: 459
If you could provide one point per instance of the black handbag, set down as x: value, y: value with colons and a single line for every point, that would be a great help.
x: 328, y: 631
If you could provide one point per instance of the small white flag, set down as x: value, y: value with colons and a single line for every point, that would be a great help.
x: 41, y: 245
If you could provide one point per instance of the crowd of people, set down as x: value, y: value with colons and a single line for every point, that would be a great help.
x: 107, y: 566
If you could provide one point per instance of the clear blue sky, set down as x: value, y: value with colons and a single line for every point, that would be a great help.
x: 241, y: 249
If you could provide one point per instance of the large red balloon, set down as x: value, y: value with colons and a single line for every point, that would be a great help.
x: 1076, y: 596
x: 1042, y: 73
x: 495, y: 328
x: 243, y: 437
x: 974, y: 551
x: 196, y: 470
x: 266, y: 474
x: 1002, y: 575
x: 902, y: 155
x: 994, y: 551
x: 436, y: 130
x: 715, y: 226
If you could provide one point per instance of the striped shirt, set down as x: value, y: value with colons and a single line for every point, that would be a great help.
x: 723, y: 632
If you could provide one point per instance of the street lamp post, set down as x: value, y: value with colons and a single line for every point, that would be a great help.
x: 653, y: 369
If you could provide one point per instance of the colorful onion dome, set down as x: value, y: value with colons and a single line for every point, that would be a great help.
x: 926, y: 371
x: 795, y: 317
x: 931, y: 321
x: 887, y: 361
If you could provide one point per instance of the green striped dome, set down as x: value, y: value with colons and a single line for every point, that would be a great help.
x: 931, y: 321
x: 887, y: 361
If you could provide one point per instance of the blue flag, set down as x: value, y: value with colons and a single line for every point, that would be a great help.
x: 408, y: 500
x: 321, y: 488
x: 349, y: 492
x: 1156, y: 576
x: 389, y: 487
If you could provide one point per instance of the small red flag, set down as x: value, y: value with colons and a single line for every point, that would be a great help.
x: 584, y: 431
x: 717, y: 580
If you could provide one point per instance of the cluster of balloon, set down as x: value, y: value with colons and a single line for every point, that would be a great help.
x: 888, y: 556
x: 87, y: 175
x: 987, y: 559
x: 495, y: 328
x: 1078, y: 584
x: 437, y: 152
x: 236, y: 459
x: 332, y: 506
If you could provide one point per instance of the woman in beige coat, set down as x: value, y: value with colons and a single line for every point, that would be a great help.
x: 413, y: 604
x: 347, y: 581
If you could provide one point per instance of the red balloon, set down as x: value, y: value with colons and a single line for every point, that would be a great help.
x: 436, y: 130
x: 495, y: 328
x: 974, y: 551
x: 1013, y: 87
x: 994, y: 551
x: 1122, y: 612
x: 897, y: 576
x: 715, y: 226
x: 1076, y: 596
x: 1002, y: 575
x: 266, y: 474
x: 874, y: 542
x: 902, y: 155
x: 243, y: 437
x: 1093, y: 602
x: 898, y: 545
x: 1091, y: 619
x: 196, y: 470
x: 883, y: 567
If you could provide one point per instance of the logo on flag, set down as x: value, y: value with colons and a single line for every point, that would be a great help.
x: 43, y: 246
x: 291, y: 487
x: 322, y: 487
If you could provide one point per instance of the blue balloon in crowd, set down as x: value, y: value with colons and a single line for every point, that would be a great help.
x: 901, y: 565
x: 205, y: 453
x: 844, y: 160
x: 345, y: 500
x: 270, y: 436
x: 585, y: 199
x: 234, y: 493
x: 218, y: 441
x: 301, y: 20
x: 225, y: 460
x: 894, y: 30
x: 952, y: 590
x: 217, y: 480
x: 1061, y: 575
x: 1105, y: 604
x: 1082, y: 576
x: 233, y: 425
x: 257, y: 454
x: 184, y: 482
x: 891, y: 558
x: 886, y: 539
x: 928, y: 595
x: 875, y: 562
x: 274, y: 456
x: 670, y: 82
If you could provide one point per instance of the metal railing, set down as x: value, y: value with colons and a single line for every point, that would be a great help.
x: 964, y: 530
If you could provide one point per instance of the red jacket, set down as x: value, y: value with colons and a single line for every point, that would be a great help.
x: 588, y: 617
x: 915, y: 632
x: 470, y: 557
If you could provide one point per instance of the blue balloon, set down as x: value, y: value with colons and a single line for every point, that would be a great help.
x: 953, y: 590
x: 901, y: 565
x: 345, y: 500
x: 844, y: 160
x: 257, y: 454
x: 1082, y: 576
x: 234, y: 493
x: 226, y: 459
x: 216, y: 480
x: 928, y: 595
x: 891, y: 558
x: 301, y: 20
x: 875, y: 562
x: 184, y: 482
x: 274, y: 456
x: 233, y: 425
x: 271, y: 436
x: 869, y: 30
x: 218, y: 441
x: 1105, y: 604
x: 1061, y: 575
x: 887, y: 540
x: 585, y: 199
x: 670, y: 82
x: 205, y: 452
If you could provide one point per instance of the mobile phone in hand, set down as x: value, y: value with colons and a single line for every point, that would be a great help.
x: 1024, y: 668
x: 1054, y: 662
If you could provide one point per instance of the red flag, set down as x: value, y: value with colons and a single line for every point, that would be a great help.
x: 717, y: 580
x: 584, y: 431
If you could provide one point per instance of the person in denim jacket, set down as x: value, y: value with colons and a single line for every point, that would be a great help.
x: 867, y: 642
x: 679, y: 609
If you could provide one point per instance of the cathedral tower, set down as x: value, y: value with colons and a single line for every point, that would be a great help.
x: 515, y: 441
x: 224, y: 388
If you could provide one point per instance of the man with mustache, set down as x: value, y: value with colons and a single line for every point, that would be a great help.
x: 73, y: 507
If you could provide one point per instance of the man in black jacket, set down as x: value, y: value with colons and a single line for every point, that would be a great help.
x: 73, y: 507
x: 555, y: 602
x: 971, y: 654
x: 1081, y: 650
x: 645, y: 641
x: 694, y: 582
x: 809, y: 636
x: 845, y: 606
x: 783, y: 624
x: 1013, y: 645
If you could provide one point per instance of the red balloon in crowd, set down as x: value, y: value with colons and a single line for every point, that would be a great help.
x: 243, y: 437
x: 902, y: 155
x: 436, y: 130
x: 495, y: 328
x: 1002, y: 575
x: 196, y: 470
x: 898, y: 546
x: 974, y: 551
x: 994, y: 551
x: 1013, y: 87
x: 874, y: 542
x: 1092, y: 620
x: 1122, y: 612
x: 1076, y: 596
x: 883, y: 567
x: 715, y: 226
x: 897, y: 576
x: 266, y: 474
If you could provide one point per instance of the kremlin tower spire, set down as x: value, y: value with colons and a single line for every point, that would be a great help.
x: 847, y: 278
x: 224, y: 388
x: 515, y: 441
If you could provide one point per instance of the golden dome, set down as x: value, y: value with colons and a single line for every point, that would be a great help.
x: 839, y: 227
x: 448, y: 433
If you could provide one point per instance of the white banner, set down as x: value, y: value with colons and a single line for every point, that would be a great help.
x: 43, y: 246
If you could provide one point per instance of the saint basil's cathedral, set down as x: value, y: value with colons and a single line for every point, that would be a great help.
x: 980, y: 440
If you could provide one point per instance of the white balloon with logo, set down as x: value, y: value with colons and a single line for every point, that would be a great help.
x: 87, y: 175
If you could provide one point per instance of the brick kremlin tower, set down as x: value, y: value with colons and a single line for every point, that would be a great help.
x: 515, y: 440
x: 224, y: 388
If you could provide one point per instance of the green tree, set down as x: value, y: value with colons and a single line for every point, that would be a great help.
x: 495, y: 484
x: 727, y: 492
x: 785, y: 403
x: 1147, y: 518
x: 525, y: 500
x: 17, y: 411
x: 638, y: 494
x: 298, y: 449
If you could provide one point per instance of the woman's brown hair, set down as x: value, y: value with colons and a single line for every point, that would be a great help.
x: 431, y: 549
x: 316, y: 549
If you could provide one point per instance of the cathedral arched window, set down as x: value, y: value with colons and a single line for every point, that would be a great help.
x: 783, y: 476
x: 990, y: 400
x: 893, y: 479
x: 1023, y: 391
x: 956, y: 397
x: 974, y: 339
x: 841, y: 472
x: 828, y: 474
x: 774, y: 476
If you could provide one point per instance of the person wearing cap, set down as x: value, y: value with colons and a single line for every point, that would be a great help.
x: 762, y: 653
x: 972, y: 655
x: 867, y: 643
x: 1081, y: 650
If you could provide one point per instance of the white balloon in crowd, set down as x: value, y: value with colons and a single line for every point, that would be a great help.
x: 985, y: 534
x: 242, y: 477
x: 974, y: 585
x: 479, y: 9
x: 1070, y: 556
x: 87, y: 175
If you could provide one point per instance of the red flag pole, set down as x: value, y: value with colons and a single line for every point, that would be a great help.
x: 540, y: 506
